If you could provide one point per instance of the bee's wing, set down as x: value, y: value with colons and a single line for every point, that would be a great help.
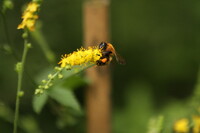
x: 120, y: 59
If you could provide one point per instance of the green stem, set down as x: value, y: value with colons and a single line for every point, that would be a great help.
x: 10, y: 44
x: 5, y: 28
x: 19, y: 86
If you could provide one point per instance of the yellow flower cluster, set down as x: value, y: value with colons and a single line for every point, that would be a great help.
x: 81, y: 56
x: 29, y: 17
x: 183, y: 126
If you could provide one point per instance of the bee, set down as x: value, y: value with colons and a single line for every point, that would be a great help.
x: 108, y: 51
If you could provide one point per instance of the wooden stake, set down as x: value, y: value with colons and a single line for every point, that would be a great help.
x: 96, y: 30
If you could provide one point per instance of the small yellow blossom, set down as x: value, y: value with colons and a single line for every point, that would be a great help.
x: 29, y: 17
x: 196, y: 120
x: 81, y: 56
x: 181, y: 126
x: 32, y: 7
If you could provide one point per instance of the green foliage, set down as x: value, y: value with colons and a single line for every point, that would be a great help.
x: 76, y: 81
x: 67, y: 118
x: 39, y: 102
x: 6, y: 113
x: 39, y: 37
x: 156, y: 124
x: 59, y: 92
x: 173, y: 111
x: 64, y: 97
x: 29, y: 124
x: 138, y: 108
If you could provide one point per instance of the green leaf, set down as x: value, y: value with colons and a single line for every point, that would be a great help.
x: 39, y: 101
x: 64, y: 97
x: 155, y: 124
x: 75, y: 82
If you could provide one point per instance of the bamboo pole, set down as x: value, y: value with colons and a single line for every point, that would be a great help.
x: 96, y: 30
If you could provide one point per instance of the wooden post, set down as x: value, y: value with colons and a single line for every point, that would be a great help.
x: 96, y: 30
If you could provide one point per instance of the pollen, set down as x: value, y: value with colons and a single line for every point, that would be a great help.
x: 81, y: 56
x: 29, y: 17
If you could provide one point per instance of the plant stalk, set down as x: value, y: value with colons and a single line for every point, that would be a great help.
x: 19, y: 86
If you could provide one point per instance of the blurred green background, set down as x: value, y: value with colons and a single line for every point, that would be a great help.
x: 158, y: 39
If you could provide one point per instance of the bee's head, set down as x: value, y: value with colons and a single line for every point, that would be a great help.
x: 103, y: 45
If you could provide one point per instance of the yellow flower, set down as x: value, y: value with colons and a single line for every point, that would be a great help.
x: 81, y: 56
x: 196, y: 120
x: 181, y: 126
x: 29, y: 17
